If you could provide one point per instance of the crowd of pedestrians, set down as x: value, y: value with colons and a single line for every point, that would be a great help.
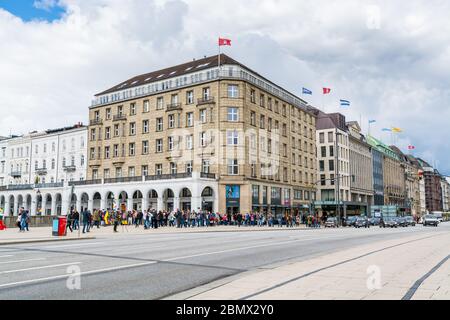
x: 152, y: 219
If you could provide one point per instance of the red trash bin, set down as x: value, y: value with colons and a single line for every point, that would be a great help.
x: 2, y: 225
x: 62, y: 226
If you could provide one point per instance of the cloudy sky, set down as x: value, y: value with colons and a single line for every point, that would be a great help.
x: 390, y: 60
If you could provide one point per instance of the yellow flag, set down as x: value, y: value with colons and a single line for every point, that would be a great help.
x: 397, y: 130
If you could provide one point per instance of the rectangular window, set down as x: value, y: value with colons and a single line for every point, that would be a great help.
x: 331, y: 151
x: 144, y: 170
x: 205, y: 166
x: 92, y: 138
x: 146, y: 107
x: 330, y: 137
x: 323, y: 180
x: 252, y: 96
x: 107, y: 133
x: 232, y: 138
x: 170, y: 143
x: 323, y: 152
x: 132, y: 128
x: 190, y: 97
x: 173, y: 168
x: 262, y: 101
x: 203, y: 118
x: 206, y: 93
x: 331, y: 165
x: 116, y: 130
x: 233, y: 167
x: 107, y: 155
x: 106, y: 173
x: 203, y: 139
x: 158, y: 169
x: 132, y: 149
x: 160, y: 103
x: 116, y: 150
x: 189, y: 167
x: 190, y: 119
x: 159, y: 124
x: 171, y: 121
x: 252, y: 118
x: 233, y: 91
x: 262, y: 122
x: 131, y: 171
x: 132, y: 109
x: 189, y: 142
x: 108, y: 114
x: 159, y: 146
x: 145, y: 126
x: 322, y: 165
x: 233, y: 114
x: 145, y: 147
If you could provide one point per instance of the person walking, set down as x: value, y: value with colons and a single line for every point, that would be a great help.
x: 86, y: 217
x: 116, y: 217
x: 23, y: 220
x: 69, y: 221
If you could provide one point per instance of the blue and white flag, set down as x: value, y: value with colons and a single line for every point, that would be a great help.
x: 306, y: 91
x: 386, y: 130
x: 372, y: 121
x: 345, y: 103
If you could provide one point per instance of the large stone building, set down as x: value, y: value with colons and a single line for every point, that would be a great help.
x: 333, y: 164
x: 433, y: 188
x: 252, y: 141
x: 393, y: 177
x: 361, y: 169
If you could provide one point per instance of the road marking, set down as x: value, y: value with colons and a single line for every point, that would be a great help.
x: 74, y: 245
x: 42, y: 267
x: 6, y: 256
x: 249, y: 247
x: 16, y: 261
x: 81, y: 274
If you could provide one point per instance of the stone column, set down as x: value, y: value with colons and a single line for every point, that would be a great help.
x: 33, y: 205
x: 160, y: 206
x: 103, y: 204
x: 16, y: 206
x: 79, y: 204
x: 53, y: 206
x: 6, y: 209
x: 91, y: 205
x: 129, y: 204
x: 144, y: 203
x: 176, y: 203
x: 196, y: 203
x: 44, y: 205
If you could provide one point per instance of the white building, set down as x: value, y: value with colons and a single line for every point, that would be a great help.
x: 40, y: 160
x: 445, y: 185
x: 4, y: 163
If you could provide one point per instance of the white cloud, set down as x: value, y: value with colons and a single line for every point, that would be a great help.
x: 46, y: 5
x: 391, y: 61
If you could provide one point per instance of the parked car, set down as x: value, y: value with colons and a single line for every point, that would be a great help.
x: 362, y: 222
x: 375, y: 221
x: 388, y: 223
x: 410, y: 221
x: 430, y: 220
x: 350, y: 221
x: 331, y: 222
x: 401, y: 221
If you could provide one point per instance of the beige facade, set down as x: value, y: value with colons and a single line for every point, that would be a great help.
x: 233, y: 129
x: 394, y: 181
x: 361, y: 166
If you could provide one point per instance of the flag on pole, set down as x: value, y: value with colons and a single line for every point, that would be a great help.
x: 372, y: 121
x: 224, y: 42
x: 386, y: 130
x: 397, y: 130
x: 345, y: 103
x: 306, y: 91
x: 326, y: 90
x: 411, y: 147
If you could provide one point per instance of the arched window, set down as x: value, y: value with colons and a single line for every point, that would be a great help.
x: 64, y: 162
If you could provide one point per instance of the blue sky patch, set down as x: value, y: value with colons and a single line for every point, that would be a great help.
x: 27, y: 10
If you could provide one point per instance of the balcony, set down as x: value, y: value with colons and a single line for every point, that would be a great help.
x: 118, y: 161
x: 174, y: 106
x: 85, y: 182
x: 208, y: 175
x: 169, y: 176
x: 48, y: 185
x: 123, y: 179
x: 20, y: 187
x: 120, y: 117
x: 16, y: 174
x: 96, y: 122
x: 206, y: 100
x: 41, y: 171
x: 70, y: 168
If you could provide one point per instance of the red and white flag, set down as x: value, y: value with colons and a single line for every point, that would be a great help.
x: 224, y: 42
x: 326, y: 90
x: 411, y: 148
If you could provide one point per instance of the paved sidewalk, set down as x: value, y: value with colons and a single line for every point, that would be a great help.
x: 11, y: 236
x: 383, y: 270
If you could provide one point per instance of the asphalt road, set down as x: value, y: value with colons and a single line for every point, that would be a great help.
x: 151, y: 266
